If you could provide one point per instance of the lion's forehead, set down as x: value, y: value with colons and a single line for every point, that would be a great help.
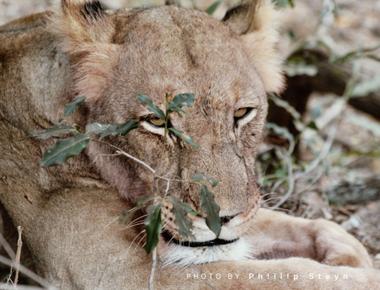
x: 172, y: 39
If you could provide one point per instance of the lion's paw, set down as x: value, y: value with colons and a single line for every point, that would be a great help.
x: 334, y: 246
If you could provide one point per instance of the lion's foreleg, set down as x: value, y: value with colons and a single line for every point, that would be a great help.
x: 277, y: 235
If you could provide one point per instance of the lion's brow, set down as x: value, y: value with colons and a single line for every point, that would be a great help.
x: 185, y: 42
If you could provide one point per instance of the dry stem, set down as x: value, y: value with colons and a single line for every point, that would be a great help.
x: 18, y: 254
x: 153, y: 269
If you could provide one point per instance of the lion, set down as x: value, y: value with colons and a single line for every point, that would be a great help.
x: 68, y: 212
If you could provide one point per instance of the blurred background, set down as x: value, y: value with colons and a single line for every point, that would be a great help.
x: 321, y: 156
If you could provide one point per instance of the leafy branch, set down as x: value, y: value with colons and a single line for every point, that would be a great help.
x: 72, y: 142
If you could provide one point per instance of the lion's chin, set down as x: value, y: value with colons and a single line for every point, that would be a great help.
x: 168, y: 237
x: 191, y: 253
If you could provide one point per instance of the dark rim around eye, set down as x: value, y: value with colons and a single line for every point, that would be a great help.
x: 149, y: 118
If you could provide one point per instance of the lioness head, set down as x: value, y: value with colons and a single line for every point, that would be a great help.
x: 228, y: 65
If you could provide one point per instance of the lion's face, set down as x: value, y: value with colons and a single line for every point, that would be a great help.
x: 163, y: 51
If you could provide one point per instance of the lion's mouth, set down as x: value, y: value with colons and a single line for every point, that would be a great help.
x: 212, y: 243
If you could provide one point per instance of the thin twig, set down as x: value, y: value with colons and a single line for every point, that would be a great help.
x: 120, y: 151
x: 292, y: 178
x: 154, y: 253
x: 5, y: 286
x: 8, y: 249
x: 322, y: 155
x: 137, y: 160
x: 18, y: 254
x: 167, y: 188
x: 291, y: 183
x: 15, y: 256
x: 153, y: 269
x: 27, y: 273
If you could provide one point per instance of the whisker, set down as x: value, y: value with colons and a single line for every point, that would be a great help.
x: 132, y: 226
x: 110, y: 223
x: 137, y: 219
x: 134, y: 239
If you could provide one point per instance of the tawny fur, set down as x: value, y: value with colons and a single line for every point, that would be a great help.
x: 262, y: 46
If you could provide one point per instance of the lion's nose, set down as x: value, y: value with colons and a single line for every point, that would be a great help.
x: 227, y: 218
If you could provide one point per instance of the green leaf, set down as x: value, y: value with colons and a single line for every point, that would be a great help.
x: 312, y: 125
x: 55, y: 131
x: 180, y: 101
x: 153, y: 227
x: 202, y: 178
x: 148, y: 102
x: 212, y: 8
x: 73, y: 106
x: 181, y: 210
x: 189, y: 209
x: 97, y: 128
x: 284, y: 3
x: 125, y: 128
x: 186, y: 138
x: 65, y: 149
x: 212, y: 209
x: 105, y: 130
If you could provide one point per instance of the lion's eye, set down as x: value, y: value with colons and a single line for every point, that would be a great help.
x: 241, y: 113
x: 155, y: 121
x: 244, y: 115
x: 154, y: 124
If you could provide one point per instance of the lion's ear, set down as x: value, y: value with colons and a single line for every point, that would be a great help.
x: 83, y: 21
x: 256, y: 21
x: 86, y: 32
